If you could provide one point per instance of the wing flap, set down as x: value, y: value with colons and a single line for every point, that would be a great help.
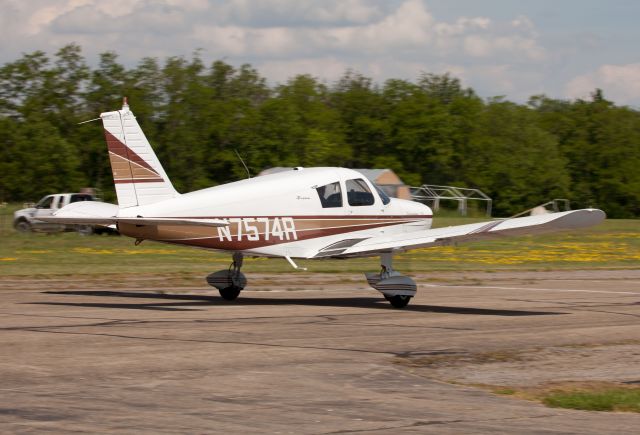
x: 539, y: 224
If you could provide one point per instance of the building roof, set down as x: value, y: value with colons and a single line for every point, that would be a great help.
x: 274, y: 170
x: 371, y: 174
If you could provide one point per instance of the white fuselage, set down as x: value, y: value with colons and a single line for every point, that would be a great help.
x: 280, y: 215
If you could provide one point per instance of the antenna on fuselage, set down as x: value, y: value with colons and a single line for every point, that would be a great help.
x: 242, y: 161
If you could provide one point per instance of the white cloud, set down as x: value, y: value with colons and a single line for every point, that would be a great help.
x: 329, y: 68
x: 380, y: 38
x: 354, y: 11
x: 277, y: 13
x: 409, y: 30
x: 618, y: 82
x: 524, y: 23
x: 476, y: 45
x: 408, y: 27
x: 461, y: 26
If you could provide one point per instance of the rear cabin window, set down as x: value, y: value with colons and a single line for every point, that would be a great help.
x: 358, y: 193
x: 330, y: 195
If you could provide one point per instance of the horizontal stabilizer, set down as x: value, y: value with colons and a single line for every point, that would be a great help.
x: 84, y: 213
x: 102, y: 213
x: 174, y: 221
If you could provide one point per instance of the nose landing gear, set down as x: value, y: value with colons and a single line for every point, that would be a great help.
x: 396, y: 288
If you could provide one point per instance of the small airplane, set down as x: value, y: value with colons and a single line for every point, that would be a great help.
x: 303, y: 213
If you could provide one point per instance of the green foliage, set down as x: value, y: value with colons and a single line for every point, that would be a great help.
x: 198, y: 116
x: 601, y: 144
x: 36, y: 160
x: 510, y: 155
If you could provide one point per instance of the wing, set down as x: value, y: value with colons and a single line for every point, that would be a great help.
x: 102, y: 213
x: 539, y: 224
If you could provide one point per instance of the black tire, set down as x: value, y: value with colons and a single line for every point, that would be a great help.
x: 230, y: 293
x: 398, y: 301
x: 84, y: 230
x: 100, y: 230
x: 22, y: 226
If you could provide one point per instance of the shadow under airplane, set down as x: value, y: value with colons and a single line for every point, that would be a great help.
x: 190, y: 302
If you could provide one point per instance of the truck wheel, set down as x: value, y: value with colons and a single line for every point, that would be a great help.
x: 22, y: 226
x: 84, y: 230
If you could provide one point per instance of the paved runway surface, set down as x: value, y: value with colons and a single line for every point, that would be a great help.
x: 324, y: 359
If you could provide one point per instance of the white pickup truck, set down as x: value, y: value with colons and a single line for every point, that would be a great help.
x: 26, y: 220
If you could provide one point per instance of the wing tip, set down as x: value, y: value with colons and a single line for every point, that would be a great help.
x: 586, y: 217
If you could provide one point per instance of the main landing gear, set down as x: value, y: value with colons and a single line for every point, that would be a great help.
x: 396, y: 288
x: 229, y: 282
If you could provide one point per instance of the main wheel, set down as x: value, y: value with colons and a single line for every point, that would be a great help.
x: 230, y: 293
x: 398, y: 301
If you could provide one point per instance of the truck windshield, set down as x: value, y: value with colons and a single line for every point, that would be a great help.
x: 45, y: 202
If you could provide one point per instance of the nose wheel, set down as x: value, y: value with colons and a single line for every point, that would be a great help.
x: 398, y: 301
x: 395, y: 287
x: 230, y: 293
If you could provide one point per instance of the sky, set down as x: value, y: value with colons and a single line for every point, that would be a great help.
x: 511, y: 48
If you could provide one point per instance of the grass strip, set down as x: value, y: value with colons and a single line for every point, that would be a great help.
x: 612, y: 399
x: 612, y: 245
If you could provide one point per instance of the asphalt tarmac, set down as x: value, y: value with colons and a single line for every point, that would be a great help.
x: 308, y: 357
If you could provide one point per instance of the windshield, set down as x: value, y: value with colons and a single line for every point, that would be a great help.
x: 358, y: 194
x: 383, y: 196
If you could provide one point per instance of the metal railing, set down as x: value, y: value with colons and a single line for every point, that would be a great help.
x: 432, y: 194
x: 559, y: 204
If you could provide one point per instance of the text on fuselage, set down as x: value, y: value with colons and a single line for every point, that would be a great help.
x: 254, y: 229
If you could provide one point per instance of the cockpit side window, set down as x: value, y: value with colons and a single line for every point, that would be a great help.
x: 330, y: 195
x: 383, y: 196
x: 358, y: 193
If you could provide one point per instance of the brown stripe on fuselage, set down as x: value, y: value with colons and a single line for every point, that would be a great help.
x: 235, y: 238
x: 320, y: 216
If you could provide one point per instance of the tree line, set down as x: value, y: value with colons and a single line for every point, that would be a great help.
x: 431, y: 130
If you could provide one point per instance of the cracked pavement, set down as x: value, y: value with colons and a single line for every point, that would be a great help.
x: 322, y: 360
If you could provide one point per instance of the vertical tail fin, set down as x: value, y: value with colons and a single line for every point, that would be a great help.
x: 137, y: 173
